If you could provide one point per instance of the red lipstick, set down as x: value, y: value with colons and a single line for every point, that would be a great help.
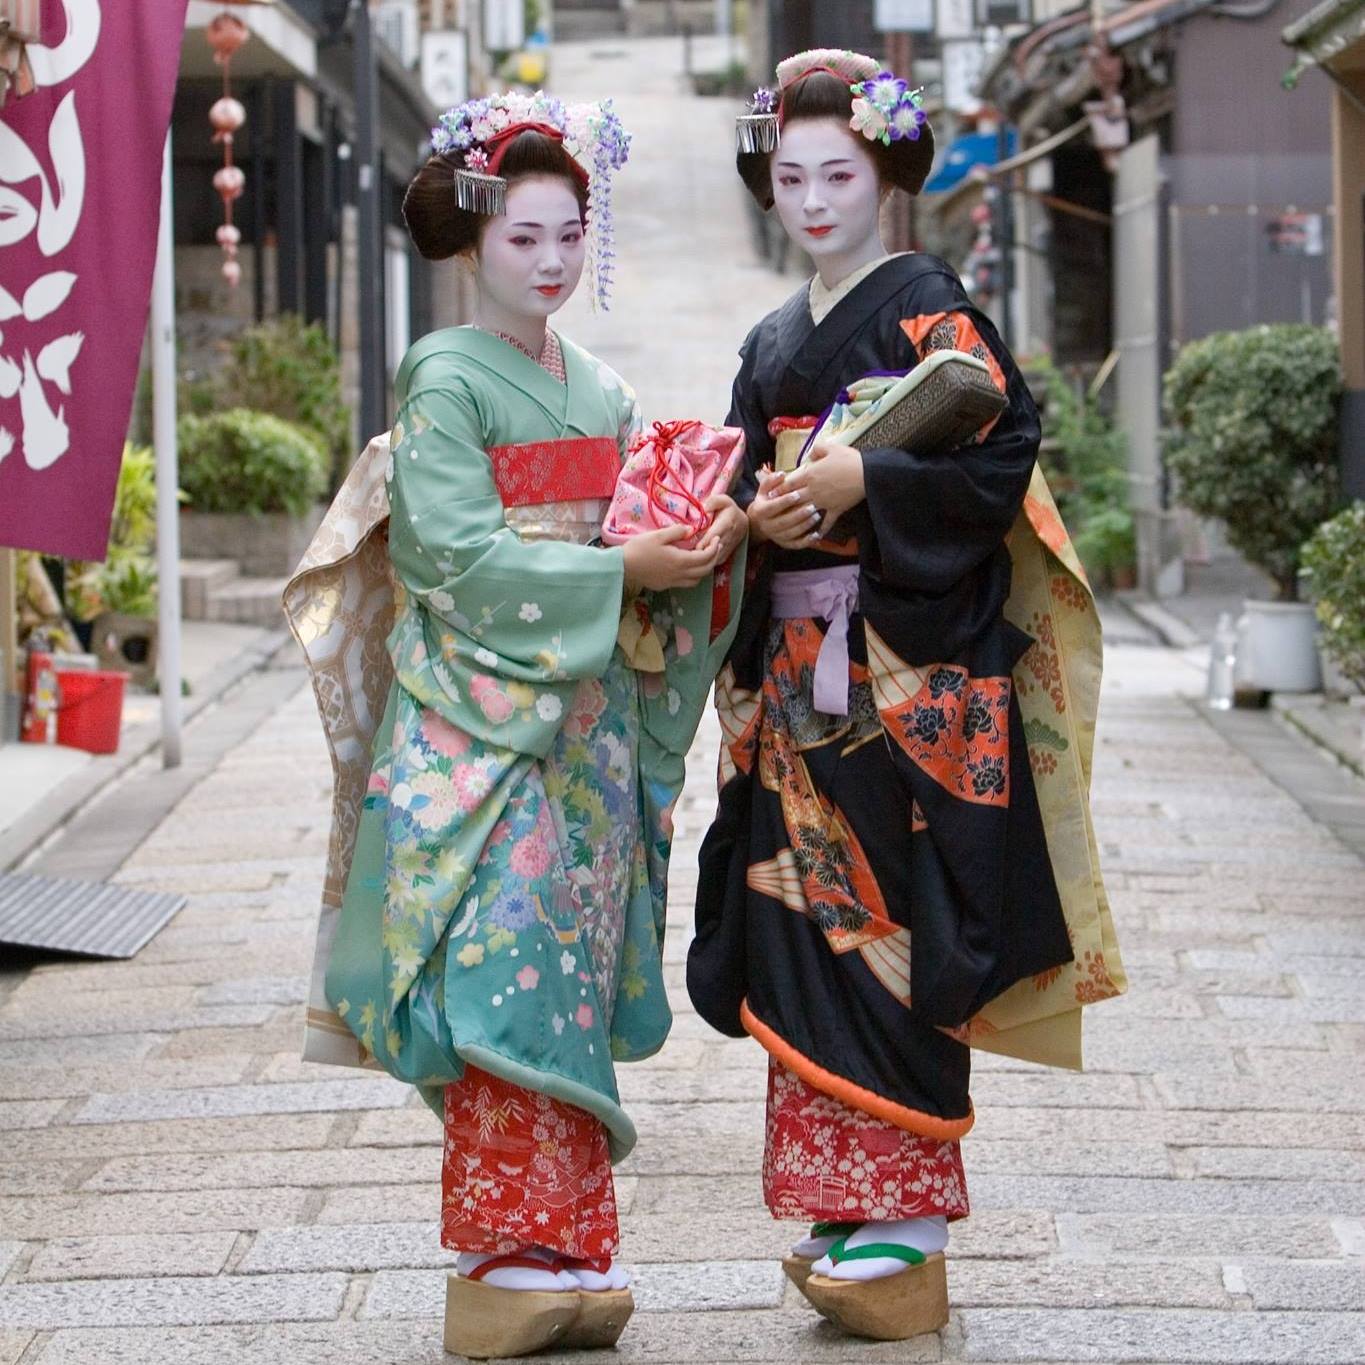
x: 820, y: 231
x: 549, y: 290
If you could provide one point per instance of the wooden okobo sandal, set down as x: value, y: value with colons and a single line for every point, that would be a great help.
x: 891, y: 1308
x: 797, y: 1268
x: 602, y: 1313
x: 484, y: 1321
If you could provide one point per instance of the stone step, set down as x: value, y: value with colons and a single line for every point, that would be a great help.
x: 199, y: 579
x: 248, y: 602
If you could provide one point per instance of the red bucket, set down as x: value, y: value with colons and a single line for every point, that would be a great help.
x: 90, y: 709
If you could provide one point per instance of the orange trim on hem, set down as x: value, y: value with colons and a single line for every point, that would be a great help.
x: 855, y: 1096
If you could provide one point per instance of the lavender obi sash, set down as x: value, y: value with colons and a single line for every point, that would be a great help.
x: 833, y: 594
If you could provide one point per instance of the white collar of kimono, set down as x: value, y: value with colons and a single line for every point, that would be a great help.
x: 823, y: 298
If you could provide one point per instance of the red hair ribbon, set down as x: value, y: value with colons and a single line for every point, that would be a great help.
x: 828, y: 70
x: 662, y: 438
x: 497, y: 145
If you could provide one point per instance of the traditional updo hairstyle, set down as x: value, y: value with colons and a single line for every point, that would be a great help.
x: 902, y: 165
x: 440, y: 228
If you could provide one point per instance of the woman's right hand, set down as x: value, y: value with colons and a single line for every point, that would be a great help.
x: 788, y: 518
x: 654, y: 561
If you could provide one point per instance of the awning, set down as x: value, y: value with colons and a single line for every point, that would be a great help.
x: 975, y: 180
x: 965, y: 154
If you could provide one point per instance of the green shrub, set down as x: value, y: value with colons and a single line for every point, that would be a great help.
x: 1254, y: 441
x: 245, y: 461
x: 288, y: 369
x: 1085, y: 461
x: 1334, y: 558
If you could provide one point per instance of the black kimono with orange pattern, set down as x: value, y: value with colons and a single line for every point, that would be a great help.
x: 872, y: 880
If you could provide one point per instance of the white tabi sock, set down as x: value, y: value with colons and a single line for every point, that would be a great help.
x: 814, y: 1247
x: 923, y: 1234
x: 595, y: 1282
x: 519, y: 1277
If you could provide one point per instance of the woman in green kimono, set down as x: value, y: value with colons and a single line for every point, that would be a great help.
x: 498, y: 943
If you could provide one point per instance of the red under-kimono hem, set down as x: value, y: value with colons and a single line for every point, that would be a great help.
x: 825, y: 1161
x: 521, y: 1169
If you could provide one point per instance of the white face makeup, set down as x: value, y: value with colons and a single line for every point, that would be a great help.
x: 530, y: 258
x: 826, y: 193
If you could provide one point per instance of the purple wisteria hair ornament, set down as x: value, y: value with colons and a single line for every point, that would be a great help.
x: 479, y: 132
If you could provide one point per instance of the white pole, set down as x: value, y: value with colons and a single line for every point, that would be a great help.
x: 722, y: 18
x: 167, y: 473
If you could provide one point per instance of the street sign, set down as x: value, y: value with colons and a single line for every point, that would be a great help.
x: 504, y: 25
x: 903, y: 16
x: 1296, y: 234
x: 956, y: 19
x: 445, y: 67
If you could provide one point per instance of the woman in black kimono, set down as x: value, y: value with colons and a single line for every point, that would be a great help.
x: 877, y: 791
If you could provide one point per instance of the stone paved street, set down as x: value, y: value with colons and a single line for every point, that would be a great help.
x: 178, y: 1188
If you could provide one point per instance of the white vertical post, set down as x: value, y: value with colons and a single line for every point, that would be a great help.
x: 722, y: 18
x: 167, y: 473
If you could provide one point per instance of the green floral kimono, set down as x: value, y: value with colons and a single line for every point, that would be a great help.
x: 505, y: 902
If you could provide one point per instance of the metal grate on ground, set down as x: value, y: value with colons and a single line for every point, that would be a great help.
x: 96, y: 919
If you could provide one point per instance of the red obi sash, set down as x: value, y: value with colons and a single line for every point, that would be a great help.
x: 556, y: 471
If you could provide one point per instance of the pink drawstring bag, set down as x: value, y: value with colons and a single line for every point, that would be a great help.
x: 668, y: 476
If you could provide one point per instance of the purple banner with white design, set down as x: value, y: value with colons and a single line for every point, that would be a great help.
x: 80, y: 197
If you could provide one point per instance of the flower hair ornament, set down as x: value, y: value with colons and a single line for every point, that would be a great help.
x: 884, y: 108
x: 478, y: 133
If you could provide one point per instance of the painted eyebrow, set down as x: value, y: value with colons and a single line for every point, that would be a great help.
x: 568, y: 222
x: 836, y: 161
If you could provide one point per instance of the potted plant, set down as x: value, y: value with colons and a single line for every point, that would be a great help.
x: 1334, y: 566
x: 1253, y: 444
x: 1085, y: 459
x: 118, y: 598
x: 251, y: 483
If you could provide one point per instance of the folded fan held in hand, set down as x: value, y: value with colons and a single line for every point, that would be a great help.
x: 669, y: 474
x: 939, y: 405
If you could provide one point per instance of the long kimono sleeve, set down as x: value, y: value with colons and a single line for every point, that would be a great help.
x: 495, y: 632
x: 935, y: 518
x: 744, y: 414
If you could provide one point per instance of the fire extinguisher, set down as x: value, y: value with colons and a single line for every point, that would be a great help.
x: 40, y: 703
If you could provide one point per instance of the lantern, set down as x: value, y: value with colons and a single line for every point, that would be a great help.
x: 226, y: 34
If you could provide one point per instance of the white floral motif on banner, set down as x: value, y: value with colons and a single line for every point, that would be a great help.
x: 34, y: 357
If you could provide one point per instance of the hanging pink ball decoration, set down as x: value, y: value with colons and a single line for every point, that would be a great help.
x: 226, y: 34
x: 228, y: 235
x: 226, y: 116
x: 232, y: 273
x: 229, y: 181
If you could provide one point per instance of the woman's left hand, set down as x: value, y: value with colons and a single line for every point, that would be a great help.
x: 728, y: 526
x: 831, y: 476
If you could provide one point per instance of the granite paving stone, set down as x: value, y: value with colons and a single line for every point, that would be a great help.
x: 173, y: 1300
x: 244, y: 1170
x: 13, y: 1344
x: 1212, y: 1235
x: 151, y: 1254
x: 234, y: 1101
x: 1177, y: 1337
x: 277, y: 1131
x: 1071, y: 1283
x: 1303, y: 1285
x: 42, y: 1216
x: 29, y: 1113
